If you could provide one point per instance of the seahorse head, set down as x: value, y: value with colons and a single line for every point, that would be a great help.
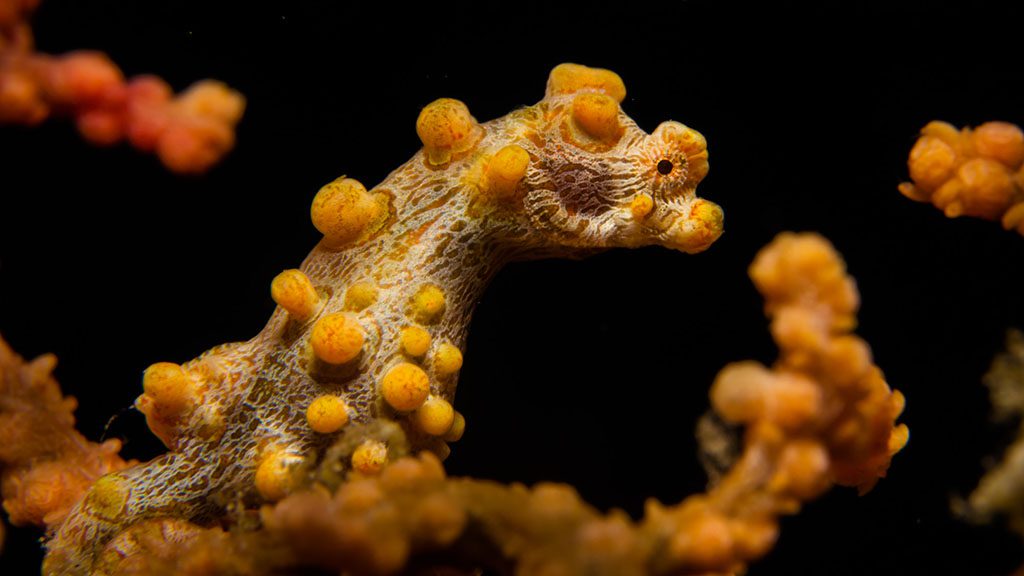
x: 599, y: 181
x: 574, y: 173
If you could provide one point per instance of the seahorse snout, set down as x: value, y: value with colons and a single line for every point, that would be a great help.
x: 698, y: 230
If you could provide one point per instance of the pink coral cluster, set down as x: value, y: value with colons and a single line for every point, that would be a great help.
x: 189, y: 132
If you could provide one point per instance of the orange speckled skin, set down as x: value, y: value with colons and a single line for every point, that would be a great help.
x: 446, y: 219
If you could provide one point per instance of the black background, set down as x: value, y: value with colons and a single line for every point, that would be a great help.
x: 591, y: 372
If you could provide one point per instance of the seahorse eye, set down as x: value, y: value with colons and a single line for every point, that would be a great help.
x: 665, y: 167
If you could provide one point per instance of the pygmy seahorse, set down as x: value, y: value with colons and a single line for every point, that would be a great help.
x: 371, y: 327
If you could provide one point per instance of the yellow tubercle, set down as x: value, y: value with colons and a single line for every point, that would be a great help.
x: 597, y: 115
x: 170, y: 387
x: 435, y: 416
x: 169, y: 395
x: 108, y: 496
x: 337, y: 338
x: 293, y: 291
x: 415, y: 340
x: 458, y: 428
x: 327, y: 414
x: 641, y: 206
x: 692, y: 143
x: 447, y: 359
x: 569, y: 78
x: 505, y: 171
x: 427, y: 303
x: 708, y: 214
x: 446, y: 129
x: 360, y: 296
x: 705, y: 225
x: 343, y: 210
x: 405, y: 387
x: 370, y: 457
x: 275, y: 475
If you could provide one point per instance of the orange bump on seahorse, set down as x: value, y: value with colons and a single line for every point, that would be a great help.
x: 371, y: 327
x: 970, y: 172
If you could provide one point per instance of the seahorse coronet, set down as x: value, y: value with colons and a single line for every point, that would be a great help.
x: 372, y: 326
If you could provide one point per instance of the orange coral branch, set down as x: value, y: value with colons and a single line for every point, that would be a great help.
x: 45, y: 464
x: 969, y: 172
x: 189, y: 132
x: 822, y: 415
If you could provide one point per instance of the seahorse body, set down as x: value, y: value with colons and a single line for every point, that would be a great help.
x: 372, y: 325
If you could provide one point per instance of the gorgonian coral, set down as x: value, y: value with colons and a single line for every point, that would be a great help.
x: 313, y: 421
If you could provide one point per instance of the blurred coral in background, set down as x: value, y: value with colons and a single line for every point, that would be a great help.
x: 189, y: 132
x: 970, y: 172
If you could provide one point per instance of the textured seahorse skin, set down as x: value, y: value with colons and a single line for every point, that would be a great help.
x: 372, y: 325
